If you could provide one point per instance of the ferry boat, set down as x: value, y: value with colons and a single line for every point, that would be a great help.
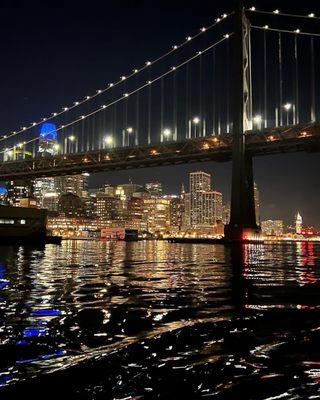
x: 22, y: 224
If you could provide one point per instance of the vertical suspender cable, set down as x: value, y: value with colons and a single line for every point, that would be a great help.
x: 137, y: 119
x: 200, y: 133
x: 188, y: 122
x: 228, y: 87
x: 280, y: 78
x: 92, y: 132
x: 115, y: 123
x: 265, y: 77
x: 161, y: 108
x: 82, y: 136
x: 175, y: 119
x: 313, y: 86
x: 149, y: 112
x: 296, y: 83
x: 213, y: 92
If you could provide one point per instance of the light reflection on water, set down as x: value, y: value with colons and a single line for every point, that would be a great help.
x: 154, y: 319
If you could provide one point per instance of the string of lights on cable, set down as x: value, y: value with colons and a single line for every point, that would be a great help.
x: 122, y: 79
x: 296, y: 31
x: 127, y: 95
x: 279, y: 13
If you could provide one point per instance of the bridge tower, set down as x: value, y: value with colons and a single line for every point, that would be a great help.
x: 242, y: 225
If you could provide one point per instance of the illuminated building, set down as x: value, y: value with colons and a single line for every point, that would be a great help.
x: 154, y: 188
x: 135, y: 214
x: 257, y: 202
x: 3, y: 195
x: 71, y: 205
x: 176, y: 212
x: 17, y: 190
x: 106, y: 209
x: 226, y: 213
x: 48, y: 143
x: 156, y: 214
x: 126, y: 190
x: 186, y: 214
x: 298, y: 224
x: 75, y: 184
x: 44, y: 187
x: 73, y: 227
x: 272, y: 227
x: 50, y: 201
x: 205, y: 204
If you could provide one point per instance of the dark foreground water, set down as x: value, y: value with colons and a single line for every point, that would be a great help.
x: 145, y: 320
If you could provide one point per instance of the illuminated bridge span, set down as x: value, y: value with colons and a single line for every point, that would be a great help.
x: 214, y: 148
x: 206, y: 98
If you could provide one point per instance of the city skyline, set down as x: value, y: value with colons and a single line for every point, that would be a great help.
x: 282, y: 180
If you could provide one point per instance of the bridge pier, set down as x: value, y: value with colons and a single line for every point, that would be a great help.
x: 242, y: 225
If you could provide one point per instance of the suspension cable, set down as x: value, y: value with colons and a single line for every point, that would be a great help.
x: 295, y: 32
x: 126, y: 95
x: 281, y: 14
x: 123, y: 78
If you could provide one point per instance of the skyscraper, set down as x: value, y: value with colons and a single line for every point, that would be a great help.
x: 257, y: 202
x: 298, y: 223
x: 205, y: 204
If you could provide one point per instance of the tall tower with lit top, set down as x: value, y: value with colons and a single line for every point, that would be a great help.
x: 298, y: 223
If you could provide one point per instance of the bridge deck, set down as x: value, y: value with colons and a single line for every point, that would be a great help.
x: 216, y: 148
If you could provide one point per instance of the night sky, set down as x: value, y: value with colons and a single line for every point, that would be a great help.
x: 54, y: 52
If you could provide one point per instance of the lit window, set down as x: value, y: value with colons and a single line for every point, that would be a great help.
x: 22, y: 221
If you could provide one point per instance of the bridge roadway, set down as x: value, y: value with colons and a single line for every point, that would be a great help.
x: 215, y: 148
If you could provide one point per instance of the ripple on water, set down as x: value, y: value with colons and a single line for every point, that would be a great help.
x: 151, y: 319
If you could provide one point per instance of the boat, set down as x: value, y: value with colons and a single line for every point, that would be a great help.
x: 24, y: 225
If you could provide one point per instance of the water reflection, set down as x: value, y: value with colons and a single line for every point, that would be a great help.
x: 153, y: 312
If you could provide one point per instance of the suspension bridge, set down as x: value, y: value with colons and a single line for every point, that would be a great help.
x: 247, y: 85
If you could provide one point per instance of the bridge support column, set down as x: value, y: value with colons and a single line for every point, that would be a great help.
x: 242, y: 225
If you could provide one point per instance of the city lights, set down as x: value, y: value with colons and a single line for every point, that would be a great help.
x: 72, y: 138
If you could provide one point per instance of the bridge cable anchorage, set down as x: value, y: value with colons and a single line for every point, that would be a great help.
x: 294, y: 32
x: 122, y: 79
x: 281, y: 14
x: 126, y: 95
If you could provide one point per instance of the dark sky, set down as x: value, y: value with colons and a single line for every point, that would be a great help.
x: 53, y: 52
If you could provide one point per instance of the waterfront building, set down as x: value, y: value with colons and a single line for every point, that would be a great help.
x: 298, y: 223
x: 65, y: 226
x: 272, y: 227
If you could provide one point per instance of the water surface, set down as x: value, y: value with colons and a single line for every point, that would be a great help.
x: 144, y: 320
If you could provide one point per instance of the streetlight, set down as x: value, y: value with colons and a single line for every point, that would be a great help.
x: 166, y: 133
x: 68, y: 143
x: 257, y: 119
x: 195, y: 121
x: 128, y: 130
x: 108, y: 140
x: 287, y: 107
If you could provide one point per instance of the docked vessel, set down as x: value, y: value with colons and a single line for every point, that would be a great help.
x: 22, y: 225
